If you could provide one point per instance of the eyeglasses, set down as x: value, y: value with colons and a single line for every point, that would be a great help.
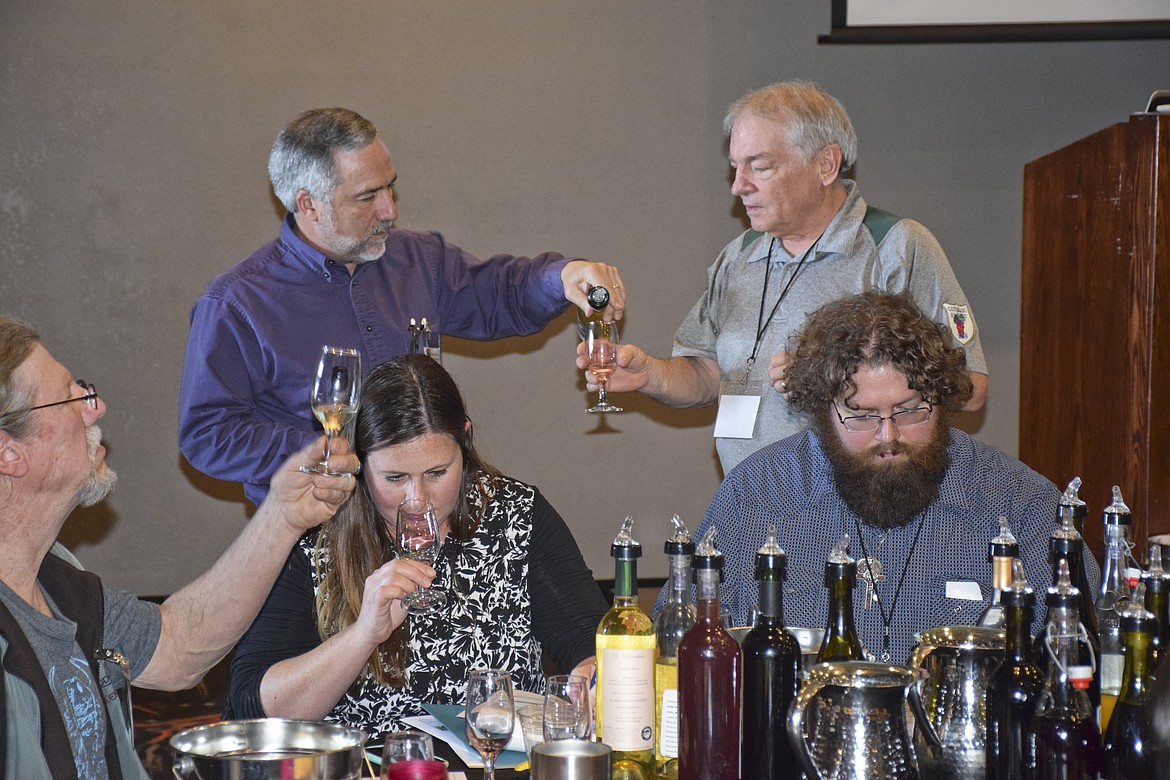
x: 868, y: 423
x: 90, y: 399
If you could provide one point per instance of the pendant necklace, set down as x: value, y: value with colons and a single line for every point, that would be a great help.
x: 873, y: 575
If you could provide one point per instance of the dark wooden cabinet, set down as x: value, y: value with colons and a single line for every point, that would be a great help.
x: 1095, y: 335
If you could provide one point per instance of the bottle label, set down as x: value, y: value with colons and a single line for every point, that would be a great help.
x: 627, y: 690
x: 1112, y: 666
x: 668, y: 726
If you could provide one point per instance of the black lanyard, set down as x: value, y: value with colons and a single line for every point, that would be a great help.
x: 761, y: 323
x: 887, y: 619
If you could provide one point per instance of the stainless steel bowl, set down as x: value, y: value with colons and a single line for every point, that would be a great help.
x: 269, y: 749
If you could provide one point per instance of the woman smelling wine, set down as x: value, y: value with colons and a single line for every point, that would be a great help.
x: 333, y: 640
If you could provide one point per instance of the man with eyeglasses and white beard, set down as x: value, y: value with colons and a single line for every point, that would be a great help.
x: 919, y: 500
x: 67, y: 643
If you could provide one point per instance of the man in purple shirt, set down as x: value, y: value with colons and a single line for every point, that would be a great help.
x: 341, y: 274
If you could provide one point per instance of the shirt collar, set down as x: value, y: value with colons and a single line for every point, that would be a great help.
x: 833, y: 241
x: 309, y: 256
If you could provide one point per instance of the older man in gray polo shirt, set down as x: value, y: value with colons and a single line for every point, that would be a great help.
x: 813, y: 240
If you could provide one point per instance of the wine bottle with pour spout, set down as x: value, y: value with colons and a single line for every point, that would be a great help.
x: 771, y: 665
x: 709, y: 674
x: 676, y: 616
x: 1003, y: 550
x: 1130, y: 734
x: 1014, y: 686
x: 841, y: 642
x: 625, y: 668
x: 1064, y: 741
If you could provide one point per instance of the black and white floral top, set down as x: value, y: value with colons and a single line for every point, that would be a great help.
x: 518, y: 588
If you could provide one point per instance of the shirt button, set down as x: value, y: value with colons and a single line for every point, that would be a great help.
x: 369, y: 328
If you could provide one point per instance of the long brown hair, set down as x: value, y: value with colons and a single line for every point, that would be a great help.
x: 402, y: 399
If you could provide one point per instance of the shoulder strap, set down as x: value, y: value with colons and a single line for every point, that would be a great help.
x: 879, y: 222
x: 78, y: 595
x: 748, y: 238
x: 22, y: 661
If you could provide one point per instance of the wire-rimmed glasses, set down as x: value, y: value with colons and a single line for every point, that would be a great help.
x: 90, y: 397
x: 868, y: 423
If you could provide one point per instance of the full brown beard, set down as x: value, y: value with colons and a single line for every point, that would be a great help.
x: 887, y: 494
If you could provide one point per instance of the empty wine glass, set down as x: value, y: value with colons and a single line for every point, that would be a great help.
x: 335, y: 398
x: 490, y: 715
x: 566, y: 707
x: 416, y: 535
x: 601, y: 340
x: 406, y: 746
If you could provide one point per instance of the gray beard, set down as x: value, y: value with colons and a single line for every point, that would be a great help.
x: 887, y: 495
x: 97, y: 486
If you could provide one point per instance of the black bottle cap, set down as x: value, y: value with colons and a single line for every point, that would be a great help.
x: 626, y: 552
x: 1003, y: 550
x: 598, y: 298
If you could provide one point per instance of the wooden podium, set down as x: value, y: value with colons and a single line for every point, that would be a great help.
x: 1095, y: 321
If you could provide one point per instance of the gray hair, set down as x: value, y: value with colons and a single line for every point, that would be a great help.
x: 302, y: 155
x: 17, y: 341
x: 814, y: 118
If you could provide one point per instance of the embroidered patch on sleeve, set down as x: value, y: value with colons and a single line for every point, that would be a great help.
x: 961, y: 322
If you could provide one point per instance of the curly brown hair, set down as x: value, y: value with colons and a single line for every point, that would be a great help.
x: 868, y: 330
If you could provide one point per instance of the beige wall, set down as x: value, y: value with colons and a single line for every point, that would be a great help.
x: 134, y: 136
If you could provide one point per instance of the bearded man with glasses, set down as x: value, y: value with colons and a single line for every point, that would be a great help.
x: 69, y: 646
x: 919, y: 500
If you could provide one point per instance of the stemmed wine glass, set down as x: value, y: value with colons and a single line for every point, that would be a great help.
x: 335, y: 398
x: 566, y: 707
x: 416, y: 535
x: 490, y: 715
x: 601, y: 340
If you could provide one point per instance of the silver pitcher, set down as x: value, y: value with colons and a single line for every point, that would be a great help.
x: 958, y: 662
x: 850, y: 721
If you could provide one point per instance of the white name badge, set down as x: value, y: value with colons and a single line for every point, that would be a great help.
x: 738, y: 404
x: 968, y: 591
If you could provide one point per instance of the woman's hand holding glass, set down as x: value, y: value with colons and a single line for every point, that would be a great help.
x: 416, y: 536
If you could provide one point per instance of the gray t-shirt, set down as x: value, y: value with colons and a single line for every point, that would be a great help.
x: 846, y: 260
x: 132, y: 627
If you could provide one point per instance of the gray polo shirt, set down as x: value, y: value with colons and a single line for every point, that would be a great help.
x: 846, y: 261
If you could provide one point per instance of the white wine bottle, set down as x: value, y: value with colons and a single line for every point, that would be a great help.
x: 625, y: 668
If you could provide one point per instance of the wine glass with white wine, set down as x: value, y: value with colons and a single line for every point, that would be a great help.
x: 416, y: 535
x: 601, y: 340
x: 335, y: 398
x: 490, y: 715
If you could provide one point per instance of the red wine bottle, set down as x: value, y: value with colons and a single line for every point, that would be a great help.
x: 709, y: 666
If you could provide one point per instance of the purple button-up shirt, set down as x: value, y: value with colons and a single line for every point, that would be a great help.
x: 257, y: 332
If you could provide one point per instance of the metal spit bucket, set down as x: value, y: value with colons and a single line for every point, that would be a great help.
x: 268, y: 749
